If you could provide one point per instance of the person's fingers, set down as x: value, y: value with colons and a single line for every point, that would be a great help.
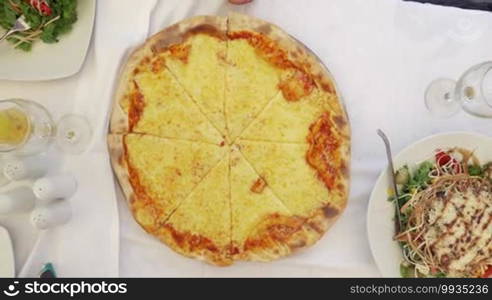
x: 239, y: 1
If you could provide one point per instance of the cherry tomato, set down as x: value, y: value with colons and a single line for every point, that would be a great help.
x: 488, y: 273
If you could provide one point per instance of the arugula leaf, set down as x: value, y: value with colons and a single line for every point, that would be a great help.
x: 421, y: 177
x: 475, y: 170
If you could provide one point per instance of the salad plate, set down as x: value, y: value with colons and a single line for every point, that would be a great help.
x: 7, y: 268
x: 51, y: 61
x: 387, y: 252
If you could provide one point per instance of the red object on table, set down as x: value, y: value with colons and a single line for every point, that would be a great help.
x: 41, y: 6
x: 488, y: 273
x: 239, y: 1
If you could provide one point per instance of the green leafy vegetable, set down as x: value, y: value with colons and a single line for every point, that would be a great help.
x: 421, y: 177
x: 475, y: 170
x: 406, y: 271
x: 440, y: 275
x: 48, y: 22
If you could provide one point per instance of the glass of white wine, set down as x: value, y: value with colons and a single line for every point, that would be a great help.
x: 472, y: 93
x: 27, y: 128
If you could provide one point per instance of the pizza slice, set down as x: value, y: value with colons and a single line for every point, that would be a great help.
x: 156, y: 174
x: 263, y: 228
x: 291, y: 121
x: 195, y: 53
x: 156, y: 104
x: 201, y: 225
x: 262, y: 62
x: 303, y: 178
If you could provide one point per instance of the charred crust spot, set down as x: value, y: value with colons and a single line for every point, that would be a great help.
x: 327, y: 87
x: 121, y: 160
x: 264, y: 29
x: 208, y: 29
x: 281, y: 232
x: 344, y: 169
x: 258, y: 186
x: 315, y: 226
x: 330, y: 212
x: 340, y: 121
x: 299, y: 243
x: 234, y: 250
x: 324, y: 151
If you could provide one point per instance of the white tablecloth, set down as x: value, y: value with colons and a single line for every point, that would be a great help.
x: 383, y: 53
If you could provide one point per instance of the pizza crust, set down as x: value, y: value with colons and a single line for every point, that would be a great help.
x: 117, y: 155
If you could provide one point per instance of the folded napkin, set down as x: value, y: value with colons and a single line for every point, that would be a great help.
x: 89, y: 244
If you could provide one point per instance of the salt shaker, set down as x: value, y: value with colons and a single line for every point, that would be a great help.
x: 51, y: 188
x: 30, y: 167
x: 51, y: 215
x: 17, y: 200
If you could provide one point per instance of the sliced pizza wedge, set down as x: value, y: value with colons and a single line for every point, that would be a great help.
x: 292, y: 121
x: 303, y: 178
x: 195, y: 52
x: 201, y: 225
x: 263, y: 228
x: 262, y: 62
x: 155, y: 103
x: 156, y: 174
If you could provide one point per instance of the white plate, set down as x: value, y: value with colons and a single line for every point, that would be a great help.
x: 380, y: 224
x: 7, y: 267
x: 51, y: 61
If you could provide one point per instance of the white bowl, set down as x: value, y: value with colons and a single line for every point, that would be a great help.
x: 380, y: 223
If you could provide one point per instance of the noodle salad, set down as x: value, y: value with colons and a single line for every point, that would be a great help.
x: 444, y: 224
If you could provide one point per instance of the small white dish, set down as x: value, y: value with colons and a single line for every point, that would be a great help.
x: 51, y: 61
x: 380, y: 223
x: 7, y: 263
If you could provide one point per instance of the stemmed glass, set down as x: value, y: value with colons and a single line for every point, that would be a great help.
x: 27, y: 128
x: 472, y: 93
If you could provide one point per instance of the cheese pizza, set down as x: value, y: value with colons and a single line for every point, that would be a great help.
x: 230, y: 141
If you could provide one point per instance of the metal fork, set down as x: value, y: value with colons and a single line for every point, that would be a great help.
x: 20, y: 25
x: 389, y: 156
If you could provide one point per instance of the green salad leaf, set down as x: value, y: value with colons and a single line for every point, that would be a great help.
x: 46, y: 25
x: 421, y: 178
x: 475, y: 170
x: 406, y: 271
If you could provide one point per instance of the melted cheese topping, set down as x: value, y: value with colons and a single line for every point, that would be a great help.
x: 164, y: 172
x: 461, y: 231
x: 160, y: 106
x: 199, y: 65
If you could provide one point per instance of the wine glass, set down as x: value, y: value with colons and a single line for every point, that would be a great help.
x: 27, y: 128
x: 472, y: 93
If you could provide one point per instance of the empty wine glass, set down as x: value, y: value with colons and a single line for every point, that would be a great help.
x: 472, y: 93
x: 27, y: 128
